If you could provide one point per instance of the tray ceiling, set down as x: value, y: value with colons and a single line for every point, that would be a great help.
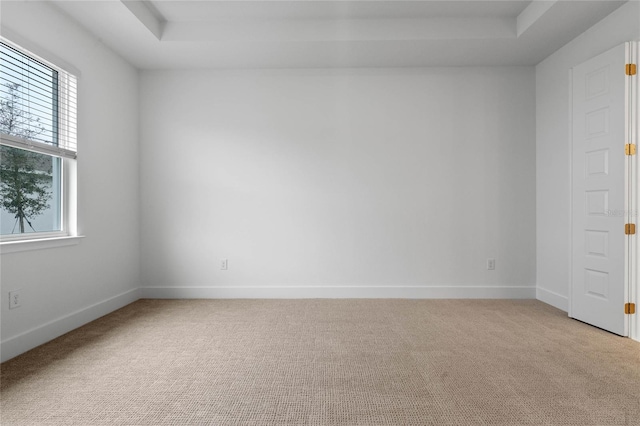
x: 161, y: 34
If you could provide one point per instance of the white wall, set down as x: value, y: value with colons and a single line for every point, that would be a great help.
x: 61, y: 288
x: 552, y: 146
x: 354, y: 183
x: 332, y: 182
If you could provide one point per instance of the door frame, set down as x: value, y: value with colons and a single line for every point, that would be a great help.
x: 632, y: 95
x: 632, y: 188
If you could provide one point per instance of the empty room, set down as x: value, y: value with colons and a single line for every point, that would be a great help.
x: 319, y: 212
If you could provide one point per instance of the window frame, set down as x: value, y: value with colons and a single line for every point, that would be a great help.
x: 68, y: 234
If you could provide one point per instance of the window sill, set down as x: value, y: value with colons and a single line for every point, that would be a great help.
x: 38, y: 244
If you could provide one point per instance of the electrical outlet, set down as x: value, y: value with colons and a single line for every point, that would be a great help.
x: 224, y: 264
x: 491, y: 264
x: 14, y: 299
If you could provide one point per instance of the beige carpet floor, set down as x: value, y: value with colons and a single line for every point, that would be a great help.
x: 327, y: 362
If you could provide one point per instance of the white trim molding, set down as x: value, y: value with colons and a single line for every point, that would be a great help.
x: 339, y: 292
x: 44, y: 333
x: 551, y: 298
x: 38, y: 244
x: 16, y: 345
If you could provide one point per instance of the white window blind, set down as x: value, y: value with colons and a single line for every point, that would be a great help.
x: 39, y: 104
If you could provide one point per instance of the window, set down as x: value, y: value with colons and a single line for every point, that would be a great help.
x: 37, y: 145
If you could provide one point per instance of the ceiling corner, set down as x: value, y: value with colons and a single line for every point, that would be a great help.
x: 532, y: 13
x: 148, y: 15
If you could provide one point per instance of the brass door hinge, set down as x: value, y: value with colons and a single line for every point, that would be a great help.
x: 629, y: 308
x: 629, y: 228
x: 630, y: 149
x: 630, y: 69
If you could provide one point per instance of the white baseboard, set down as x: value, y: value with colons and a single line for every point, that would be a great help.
x: 554, y: 299
x: 30, y: 339
x: 37, y: 336
x: 340, y: 292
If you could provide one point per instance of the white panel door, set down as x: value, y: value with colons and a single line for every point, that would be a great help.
x: 598, y: 193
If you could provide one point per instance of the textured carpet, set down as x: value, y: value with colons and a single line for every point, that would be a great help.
x: 327, y: 362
